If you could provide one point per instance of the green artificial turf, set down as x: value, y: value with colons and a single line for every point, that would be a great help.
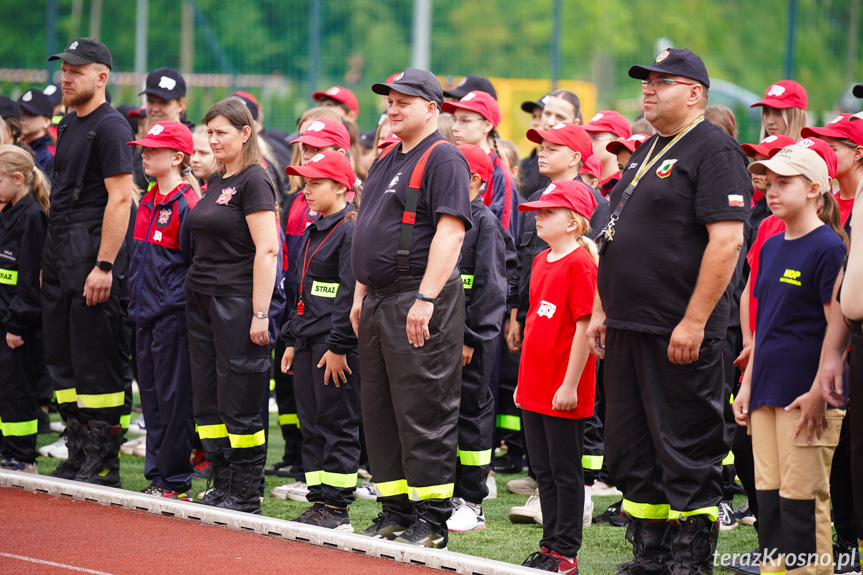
x: 602, y: 547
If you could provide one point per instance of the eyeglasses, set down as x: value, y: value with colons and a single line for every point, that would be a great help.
x: 602, y: 138
x: 464, y: 122
x: 662, y: 82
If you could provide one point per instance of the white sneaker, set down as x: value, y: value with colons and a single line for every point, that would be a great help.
x: 491, y: 483
x: 587, y: 518
x: 524, y: 486
x: 273, y: 406
x: 727, y: 521
x: 140, y: 450
x: 202, y: 494
x: 602, y: 489
x: 57, y: 426
x: 366, y: 491
x: 137, y: 427
x: 466, y: 516
x: 530, y: 512
x: 295, y: 491
x: 128, y: 448
x: 57, y: 450
x: 364, y: 473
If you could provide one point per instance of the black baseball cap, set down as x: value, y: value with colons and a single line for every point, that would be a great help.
x: 166, y: 83
x: 470, y: 83
x: 54, y: 93
x: 85, y: 51
x: 677, y: 62
x: 9, y: 108
x: 367, y: 139
x: 250, y: 101
x: 36, y: 103
x: 414, y: 82
x: 858, y: 90
x: 529, y: 106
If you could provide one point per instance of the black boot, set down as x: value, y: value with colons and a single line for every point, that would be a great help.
x: 102, y: 464
x: 243, y: 492
x: 220, y: 476
x: 75, y: 435
x: 693, y: 544
x: 651, y: 547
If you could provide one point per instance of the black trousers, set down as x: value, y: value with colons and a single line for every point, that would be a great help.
x: 594, y: 446
x: 508, y: 417
x: 841, y: 485
x: 19, y: 390
x: 230, y: 377
x: 164, y: 381
x: 855, y: 389
x: 83, y: 344
x: 664, y: 432
x: 330, y: 420
x: 289, y: 421
x: 744, y: 465
x: 410, y: 400
x: 475, y: 425
x: 555, y: 445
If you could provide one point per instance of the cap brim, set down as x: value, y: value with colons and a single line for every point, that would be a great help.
x: 384, y: 90
x: 778, y: 167
x: 615, y: 146
x: 306, y: 172
x: 773, y: 103
x: 34, y: 112
x: 643, y: 72
x: 315, y: 141
x: 454, y: 94
x: 148, y: 143
x: 451, y: 107
x: 858, y: 90
x: 751, y: 149
x: 164, y: 94
x: 71, y: 58
x: 537, y: 136
x: 537, y: 205
x: 529, y: 106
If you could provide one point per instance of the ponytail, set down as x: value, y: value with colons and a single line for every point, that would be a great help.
x: 41, y: 189
x: 14, y: 160
x: 829, y: 213
x: 583, y: 228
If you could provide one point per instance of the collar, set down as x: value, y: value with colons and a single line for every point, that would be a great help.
x: 324, y: 223
x: 10, y: 213
x: 150, y: 197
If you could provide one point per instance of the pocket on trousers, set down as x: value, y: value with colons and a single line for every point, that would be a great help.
x: 249, y: 364
x: 829, y: 437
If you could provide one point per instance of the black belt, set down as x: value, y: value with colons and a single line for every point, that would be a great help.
x: 87, y: 215
x: 401, y: 285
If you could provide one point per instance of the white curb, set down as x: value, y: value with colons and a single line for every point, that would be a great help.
x: 435, y: 559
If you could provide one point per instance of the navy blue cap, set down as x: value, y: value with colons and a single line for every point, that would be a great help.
x: 414, y: 82
x: 165, y: 83
x: 54, y: 93
x: 367, y: 139
x: 85, y: 51
x: 529, y: 106
x: 677, y: 62
x: 36, y: 103
x: 9, y: 108
x: 470, y: 83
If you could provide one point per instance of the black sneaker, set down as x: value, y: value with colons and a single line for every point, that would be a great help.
x: 153, y: 489
x: 329, y: 518
x: 846, y: 558
x: 727, y: 521
x: 507, y: 465
x: 747, y: 564
x: 543, y: 561
x: 307, y: 515
x: 421, y: 533
x: 612, y: 516
x: 385, y: 526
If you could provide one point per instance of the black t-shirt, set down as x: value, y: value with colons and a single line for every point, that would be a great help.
x: 648, y: 273
x: 109, y: 156
x: 445, y: 189
x: 224, y: 258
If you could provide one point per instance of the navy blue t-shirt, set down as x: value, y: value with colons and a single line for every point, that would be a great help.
x: 795, y: 280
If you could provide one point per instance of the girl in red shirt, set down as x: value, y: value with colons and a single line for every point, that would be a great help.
x: 557, y: 375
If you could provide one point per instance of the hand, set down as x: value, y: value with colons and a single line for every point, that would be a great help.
x: 514, y: 395
x: 685, y: 341
x: 813, y: 414
x: 288, y: 360
x: 418, y: 322
x: 336, y: 366
x: 466, y: 355
x: 14, y: 341
x: 258, y: 332
x: 97, y: 287
x: 513, y: 337
x: 565, y: 398
x: 356, y: 309
x: 741, y: 406
x: 596, y: 335
x: 831, y: 377
x: 743, y: 359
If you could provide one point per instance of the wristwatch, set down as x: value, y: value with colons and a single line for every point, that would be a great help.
x: 421, y: 297
x: 104, y: 266
x: 260, y: 315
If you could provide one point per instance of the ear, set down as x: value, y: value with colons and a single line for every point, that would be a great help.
x: 858, y: 153
x: 696, y: 92
x: 182, y: 103
x: 247, y: 133
x: 475, y: 180
x: 814, y: 190
x: 575, y: 160
x: 177, y: 159
x: 18, y: 178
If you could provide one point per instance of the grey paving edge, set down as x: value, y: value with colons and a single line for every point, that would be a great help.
x: 269, y: 526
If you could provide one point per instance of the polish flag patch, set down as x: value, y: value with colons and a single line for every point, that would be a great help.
x: 735, y: 200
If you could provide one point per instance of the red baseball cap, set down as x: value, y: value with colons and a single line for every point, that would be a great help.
x: 821, y: 148
x: 592, y: 166
x: 609, y: 121
x: 572, y: 136
x: 339, y: 94
x: 478, y: 161
x: 328, y: 164
x: 389, y: 141
x: 768, y: 145
x: 167, y: 134
x: 564, y: 194
x: 480, y: 102
x: 325, y: 132
x: 631, y: 143
x: 840, y: 127
x: 783, y: 94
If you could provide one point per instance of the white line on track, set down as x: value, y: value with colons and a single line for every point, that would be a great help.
x: 52, y: 564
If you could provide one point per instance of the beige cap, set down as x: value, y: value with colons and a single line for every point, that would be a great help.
x: 795, y: 161
x: 857, y: 116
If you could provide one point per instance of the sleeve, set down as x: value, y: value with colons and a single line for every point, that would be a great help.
x: 292, y: 296
x: 723, y: 188
x: 763, y: 256
x: 582, y: 285
x: 25, y: 309
x: 484, y: 313
x: 115, y: 157
x: 187, y: 240
x: 828, y: 268
x: 498, y: 193
x: 511, y: 259
x: 341, y: 338
x: 259, y: 193
x: 448, y: 182
x: 278, y: 302
x: 600, y: 216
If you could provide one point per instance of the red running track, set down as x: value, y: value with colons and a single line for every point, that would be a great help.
x: 53, y: 535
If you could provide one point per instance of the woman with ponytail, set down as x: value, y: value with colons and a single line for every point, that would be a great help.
x: 160, y: 257
x: 23, y: 224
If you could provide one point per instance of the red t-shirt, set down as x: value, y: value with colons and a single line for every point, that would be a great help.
x: 561, y: 292
x: 845, y: 207
x: 770, y: 226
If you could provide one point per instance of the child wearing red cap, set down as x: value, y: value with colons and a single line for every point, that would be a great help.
x: 487, y: 253
x: 783, y: 109
x: 623, y: 150
x: 320, y: 344
x: 557, y: 375
x: 606, y: 126
x: 477, y: 116
x: 160, y: 257
x: 340, y: 99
